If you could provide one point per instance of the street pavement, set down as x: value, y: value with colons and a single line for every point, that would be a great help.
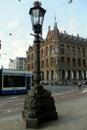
x: 72, y: 115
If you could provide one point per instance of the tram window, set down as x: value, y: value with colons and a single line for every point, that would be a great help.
x: 14, y: 81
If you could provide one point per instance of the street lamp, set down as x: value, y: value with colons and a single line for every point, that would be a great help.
x: 37, y: 16
x: 39, y: 105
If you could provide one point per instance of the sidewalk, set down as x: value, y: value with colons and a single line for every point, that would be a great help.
x: 72, y: 116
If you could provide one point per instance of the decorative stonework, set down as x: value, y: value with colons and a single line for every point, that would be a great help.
x: 39, y: 107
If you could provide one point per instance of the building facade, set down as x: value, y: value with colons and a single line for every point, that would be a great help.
x: 63, y: 57
x: 18, y: 64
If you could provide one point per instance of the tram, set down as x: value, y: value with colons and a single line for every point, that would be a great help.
x: 14, y: 81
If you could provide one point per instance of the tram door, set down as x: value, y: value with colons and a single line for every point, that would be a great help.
x: 28, y: 82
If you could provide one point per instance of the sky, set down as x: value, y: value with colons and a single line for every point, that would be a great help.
x: 15, y: 24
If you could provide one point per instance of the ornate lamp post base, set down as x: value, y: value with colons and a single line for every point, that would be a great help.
x: 39, y: 107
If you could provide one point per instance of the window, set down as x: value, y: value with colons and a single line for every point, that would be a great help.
x: 47, y: 62
x: 62, y: 61
x: 28, y: 66
x: 73, y: 62
x: 79, y: 62
x: 47, y: 51
x: 83, y: 52
x: 73, y: 51
x: 32, y: 66
x: 52, y: 74
x: 42, y: 63
x: 62, y: 49
x: 68, y: 61
x: 68, y: 50
x: 14, y: 81
x: 51, y: 61
x: 42, y: 53
x: 51, y: 49
x: 84, y: 63
x: 28, y: 58
x: 42, y: 75
x: 32, y: 56
x: 78, y: 51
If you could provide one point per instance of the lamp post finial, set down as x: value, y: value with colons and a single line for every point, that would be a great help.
x: 37, y: 4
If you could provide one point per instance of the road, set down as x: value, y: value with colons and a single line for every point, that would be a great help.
x: 13, y: 105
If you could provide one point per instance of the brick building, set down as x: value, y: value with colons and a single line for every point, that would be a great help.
x: 63, y: 57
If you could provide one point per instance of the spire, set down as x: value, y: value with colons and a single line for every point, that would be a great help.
x: 55, y: 24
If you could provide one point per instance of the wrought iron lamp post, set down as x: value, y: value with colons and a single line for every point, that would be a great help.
x: 37, y: 16
x: 39, y: 106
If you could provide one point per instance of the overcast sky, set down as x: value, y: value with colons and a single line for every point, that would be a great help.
x: 15, y: 20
